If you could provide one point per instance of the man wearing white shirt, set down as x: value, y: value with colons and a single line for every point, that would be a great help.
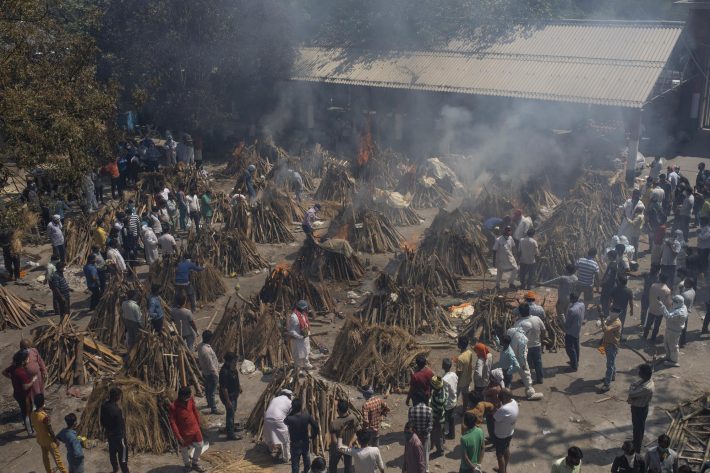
x: 365, y: 459
x: 451, y: 384
x: 504, y: 426
x: 115, y: 257
x: 503, y: 255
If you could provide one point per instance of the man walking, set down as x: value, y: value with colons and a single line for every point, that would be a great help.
x: 587, y: 274
x: 534, y: 330
x: 183, y: 319
x: 503, y: 255
x: 639, y: 397
x: 373, y: 410
x: 229, y: 391
x: 182, y: 280
x: 56, y: 237
x: 573, y: 328
x: 298, y: 423
x: 91, y: 273
x: 114, y: 426
x: 676, y: 319
x: 565, y: 285
x: 342, y: 433
x: 451, y: 382
x: 60, y: 292
x: 529, y: 252
x: 209, y: 366
x: 420, y: 417
x: 185, y: 423
x: 413, y: 451
x: 46, y: 439
x: 132, y: 319
x: 611, y: 341
x: 659, y: 296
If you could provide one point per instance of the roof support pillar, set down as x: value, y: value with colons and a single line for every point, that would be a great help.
x: 634, y: 137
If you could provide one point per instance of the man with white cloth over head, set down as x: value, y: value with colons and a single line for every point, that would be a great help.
x: 298, y: 331
x: 275, y: 431
x: 675, y: 321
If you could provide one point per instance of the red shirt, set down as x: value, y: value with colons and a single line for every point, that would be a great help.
x: 185, y: 421
x: 19, y: 376
x: 421, y: 381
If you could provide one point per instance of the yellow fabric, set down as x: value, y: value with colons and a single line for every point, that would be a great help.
x: 100, y: 237
x: 464, y: 365
x: 40, y: 422
x: 54, y: 450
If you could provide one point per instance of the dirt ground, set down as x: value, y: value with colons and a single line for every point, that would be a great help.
x: 572, y: 412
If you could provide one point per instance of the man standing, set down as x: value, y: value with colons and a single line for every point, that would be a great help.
x: 522, y: 225
x: 534, y: 329
x: 503, y: 255
x: 342, y: 433
x: 46, y: 439
x: 609, y: 279
x: 299, y: 330
x: 115, y: 429
x: 669, y: 256
x: 155, y: 309
x: 275, y: 430
x: 420, y: 379
x: 659, y: 296
x: 182, y: 317
x: 565, y: 285
x: 687, y: 290
x: 249, y: 182
x: 366, y: 458
x: 686, y: 208
x: 209, y: 366
x: 611, y: 341
x: 22, y: 383
x: 661, y: 458
x: 676, y: 319
x: 655, y: 167
x: 413, y: 451
x: 70, y: 439
x: 206, y: 207
x: 60, y: 292
x: 640, y: 395
x: 438, y: 408
x: 56, y: 237
x: 298, y: 423
x: 587, y: 273
x: 132, y: 319
x: 573, y: 327
x: 182, y: 279
x: 229, y: 391
x: 622, y: 299
x: 451, y: 382
x: 464, y: 369
x: 309, y: 219
x: 373, y: 410
x: 572, y: 463
x: 185, y: 422
x: 471, y: 445
x: 629, y: 461
x: 420, y: 417
x: 629, y: 210
x: 529, y: 252
x: 91, y: 273
x: 167, y: 244
x: 504, y: 427
x: 150, y: 244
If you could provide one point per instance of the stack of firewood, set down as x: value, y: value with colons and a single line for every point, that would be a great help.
x: 107, y: 322
x: 230, y: 251
x: 73, y: 356
x: 14, y: 311
x: 413, y: 309
x: 283, y: 287
x: 417, y: 269
x: 208, y: 284
x: 377, y: 355
x: 333, y: 260
x: 79, y: 238
x: 366, y: 229
x: 337, y: 185
x: 287, y: 208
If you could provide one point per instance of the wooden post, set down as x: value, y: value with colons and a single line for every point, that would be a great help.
x: 78, y: 362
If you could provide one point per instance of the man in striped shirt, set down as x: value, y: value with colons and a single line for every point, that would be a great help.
x: 587, y: 275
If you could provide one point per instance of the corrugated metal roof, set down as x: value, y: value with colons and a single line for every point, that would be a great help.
x: 604, y: 63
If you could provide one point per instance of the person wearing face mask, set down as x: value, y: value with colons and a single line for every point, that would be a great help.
x: 675, y: 321
x: 661, y: 458
x: 612, y: 338
x: 629, y: 461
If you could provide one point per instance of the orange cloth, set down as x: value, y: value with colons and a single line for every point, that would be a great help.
x: 481, y: 350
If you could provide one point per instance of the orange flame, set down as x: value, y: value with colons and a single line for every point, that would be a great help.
x: 281, y: 269
x: 409, y: 247
x: 366, y: 147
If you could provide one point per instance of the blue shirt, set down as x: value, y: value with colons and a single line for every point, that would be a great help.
x: 69, y: 438
x: 155, y: 308
x: 182, y: 273
x: 91, y: 273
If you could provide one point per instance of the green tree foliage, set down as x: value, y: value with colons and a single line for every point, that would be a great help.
x: 187, y: 64
x: 53, y: 112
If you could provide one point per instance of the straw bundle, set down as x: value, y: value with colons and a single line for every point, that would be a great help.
x: 333, y: 260
x: 15, y: 312
x: 417, y: 269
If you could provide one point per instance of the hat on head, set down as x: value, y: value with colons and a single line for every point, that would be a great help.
x: 56, y: 218
x: 302, y: 305
x: 531, y: 295
x: 437, y: 382
x: 497, y: 376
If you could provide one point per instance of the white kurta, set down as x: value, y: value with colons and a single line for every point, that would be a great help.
x: 505, y: 249
x: 275, y: 431
x: 300, y: 345
x: 150, y: 243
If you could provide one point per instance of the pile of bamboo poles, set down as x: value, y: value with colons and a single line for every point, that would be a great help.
x: 265, y: 226
x: 230, y: 251
x: 399, y: 216
x: 145, y: 412
x: 208, y: 284
x: 377, y: 355
x: 253, y: 331
x: 73, y: 356
x: 79, y: 231
x: 319, y: 397
x: 413, y: 309
x: 456, y: 238
x: 417, y: 269
x: 334, y: 260
x: 242, y: 157
x: 284, y: 206
x: 427, y: 193
x: 106, y: 322
x: 15, y: 312
x: 490, y: 203
x: 283, y: 287
x: 336, y: 185
x: 163, y: 361
x: 690, y: 432
x: 492, y: 317
x: 366, y: 229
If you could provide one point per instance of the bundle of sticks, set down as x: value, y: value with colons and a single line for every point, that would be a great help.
x: 456, y: 238
x: 377, y: 355
x: 332, y: 260
x: 336, y: 185
x: 242, y: 157
x: 366, y: 229
x: 254, y: 331
x: 73, y: 356
x: 163, y: 360
x: 536, y: 196
x: 427, y: 193
x: 265, y: 226
x: 230, y: 251
x: 15, y: 312
x: 576, y: 225
x: 283, y: 287
x: 207, y: 284
x: 689, y: 432
x: 226, y: 462
x: 417, y: 269
x: 284, y: 206
x: 489, y: 203
x: 412, y: 308
x: 145, y: 413
x: 106, y: 322
x: 319, y: 397
x: 79, y: 238
x: 399, y: 216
